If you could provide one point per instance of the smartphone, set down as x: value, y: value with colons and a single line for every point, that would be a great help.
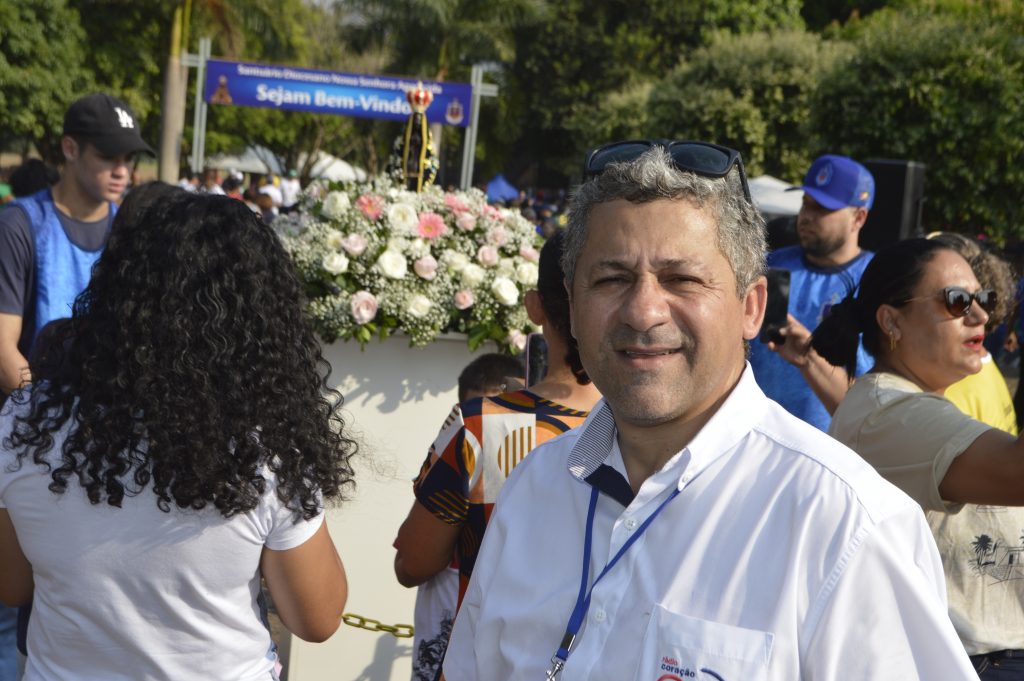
x: 536, y: 358
x: 778, y: 306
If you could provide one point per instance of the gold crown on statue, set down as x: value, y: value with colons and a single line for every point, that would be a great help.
x: 419, y: 98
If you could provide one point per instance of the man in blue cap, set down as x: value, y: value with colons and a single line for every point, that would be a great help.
x: 825, y: 267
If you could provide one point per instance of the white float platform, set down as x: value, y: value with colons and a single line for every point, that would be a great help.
x: 396, y: 399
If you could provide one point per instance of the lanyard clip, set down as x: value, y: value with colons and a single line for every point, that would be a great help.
x: 556, y: 668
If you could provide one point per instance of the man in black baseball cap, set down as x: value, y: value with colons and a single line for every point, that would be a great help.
x: 107, y: 123
x: 49, y: 240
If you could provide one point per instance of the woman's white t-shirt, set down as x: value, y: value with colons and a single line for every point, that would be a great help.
x: 136, y: 594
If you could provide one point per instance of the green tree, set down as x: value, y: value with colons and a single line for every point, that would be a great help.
x: 941, y: 83
x: 568, y: 66
x: 752, y: 92
x: 126, y: 48
x: 441, y: 40
x: 41, y: 72
x: 289, y: 32
x: 821, y: 14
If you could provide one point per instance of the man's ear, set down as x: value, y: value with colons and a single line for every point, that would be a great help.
x: 755, y: 300
x: 860, y: 216
x: 69, y: 147
x: 534, y: 307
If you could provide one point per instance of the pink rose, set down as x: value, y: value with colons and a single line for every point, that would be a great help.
x: 431, y: 226
x: 371, y: 205
x: 497, y: 236
x: 354, y: 244
x: 492, y: 212
x: 455, y: 204
x: 426, y: 267
x: 487, y: 256
x: 364, y: 307
x: 466, y: 222
x: 529, y: 253
x: 464, y: 299
x: 517, y: 339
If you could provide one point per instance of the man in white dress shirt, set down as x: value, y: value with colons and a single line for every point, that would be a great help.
x: 692, y: 528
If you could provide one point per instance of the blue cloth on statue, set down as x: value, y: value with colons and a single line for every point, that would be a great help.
x: 812, y: 292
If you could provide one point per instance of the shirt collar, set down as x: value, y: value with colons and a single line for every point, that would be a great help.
x: 737, y: 415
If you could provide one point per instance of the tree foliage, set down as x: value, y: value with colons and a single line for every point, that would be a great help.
x: 126, y: 49
x: 943, y: 84
x: 280, y: 32
x: 567, y: 66
x: 41, y: 71
x: 751, y: 92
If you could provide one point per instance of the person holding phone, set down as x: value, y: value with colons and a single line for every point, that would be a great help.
x: 823, y: 269
x: 482, y: 440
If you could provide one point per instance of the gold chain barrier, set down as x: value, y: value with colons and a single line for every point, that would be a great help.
x: 360, y: 622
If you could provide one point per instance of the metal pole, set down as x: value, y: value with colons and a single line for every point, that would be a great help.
x: 199, y: 114
x: 469, y: 139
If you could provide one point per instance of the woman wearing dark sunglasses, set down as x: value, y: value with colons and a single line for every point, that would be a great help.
x: 923, y: 315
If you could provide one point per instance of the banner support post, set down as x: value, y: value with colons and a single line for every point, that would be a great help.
x: 480, y: 89
x: 197, y: 157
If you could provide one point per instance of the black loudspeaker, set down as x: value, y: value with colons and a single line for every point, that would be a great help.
x: 899, y: 200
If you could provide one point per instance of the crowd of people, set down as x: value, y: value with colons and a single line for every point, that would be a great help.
x: 676, y: 494
x: 268, y: 194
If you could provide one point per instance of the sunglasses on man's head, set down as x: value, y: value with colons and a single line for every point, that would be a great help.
x: 958, y: 300
x: 702, y: 158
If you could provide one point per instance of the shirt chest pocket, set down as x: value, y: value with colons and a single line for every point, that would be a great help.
x: 679, y: 648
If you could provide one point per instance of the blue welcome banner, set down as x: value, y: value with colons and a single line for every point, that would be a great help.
x: 347, y: 94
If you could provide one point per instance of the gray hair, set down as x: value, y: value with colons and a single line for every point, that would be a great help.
x: 741, y: 232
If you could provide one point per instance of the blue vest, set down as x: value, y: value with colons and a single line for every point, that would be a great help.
x: 63, y: 269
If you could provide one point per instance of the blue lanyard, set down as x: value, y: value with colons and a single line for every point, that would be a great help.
x: 583, y: 599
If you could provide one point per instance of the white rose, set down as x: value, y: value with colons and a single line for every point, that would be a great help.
x: 398, y: 244
x: 526, y: 274
x: 334, y: 240
x: 418, y: 248
x: 505, y: 291
x: 335, y: 263
x: 506, y: 268
x: 336, y: 205
x: 473, y: 275
x: 392, y: 264
x: 403, y: 218
x: 455, y: 260
x: 418, y: 305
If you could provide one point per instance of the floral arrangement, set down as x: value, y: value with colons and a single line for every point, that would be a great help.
x: 377, y: 259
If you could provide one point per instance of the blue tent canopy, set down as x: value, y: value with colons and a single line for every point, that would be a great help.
x: 499, y: 189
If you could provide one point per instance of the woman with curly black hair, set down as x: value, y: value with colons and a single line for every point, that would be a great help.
x: 182, y: 444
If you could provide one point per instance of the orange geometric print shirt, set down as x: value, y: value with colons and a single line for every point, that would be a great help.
x: 480, y: 443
